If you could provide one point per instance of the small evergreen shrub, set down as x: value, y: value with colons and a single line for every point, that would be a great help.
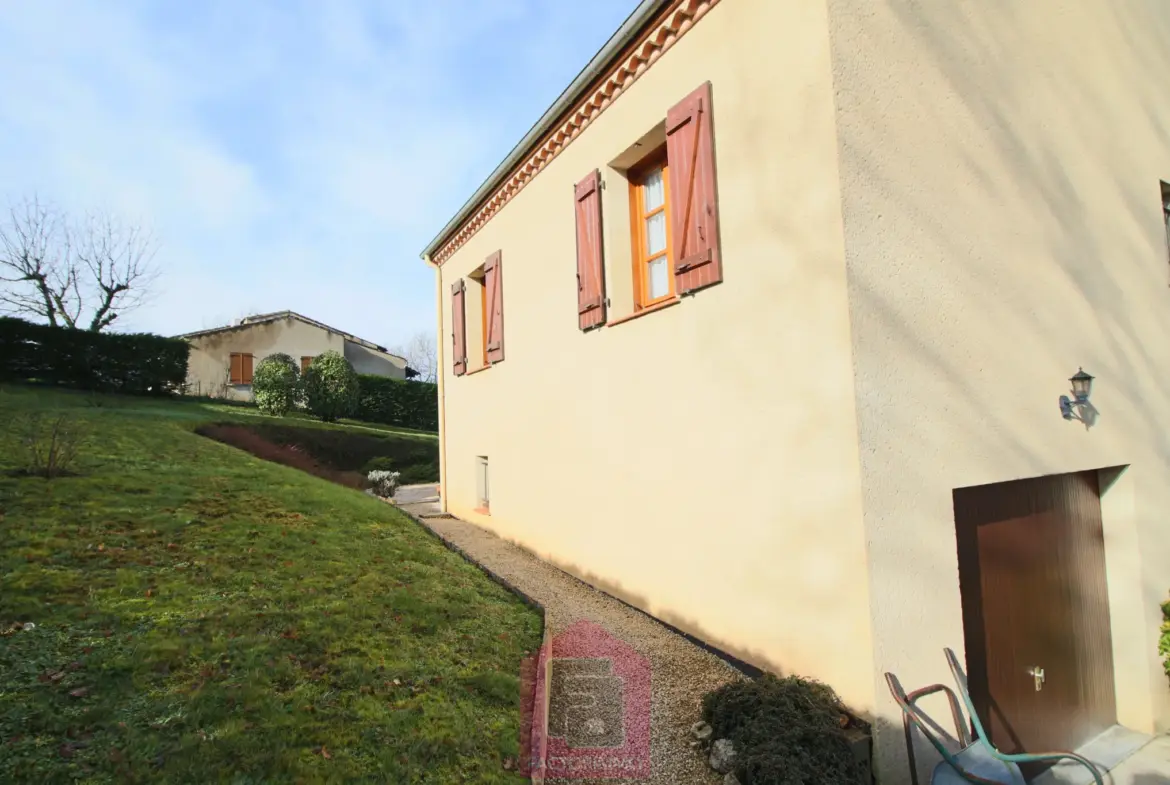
x: 410, y: 471
x: 383, y: 483
x: 276, y: 384
x: 785, y: 731
x: 330, y: 387
x: 1164, y: 640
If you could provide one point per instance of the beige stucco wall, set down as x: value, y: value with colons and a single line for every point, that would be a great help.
x: 999, y: 167
x: 699, y: 461
x: 210, y: 357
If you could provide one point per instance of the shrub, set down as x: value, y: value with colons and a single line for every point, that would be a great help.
x: 51, y: 444
x: 398, y: 402
x: 276, y: 384
x: 784, y: 731
x: 1164, y: 640
x: 383, y: 483
x: 330, y: 387
x: 106, y: 362
x: 420, y: 468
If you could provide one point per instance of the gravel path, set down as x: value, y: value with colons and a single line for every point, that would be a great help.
x: 680, y: 671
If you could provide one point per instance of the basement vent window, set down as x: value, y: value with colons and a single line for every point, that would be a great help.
x: 481, y: 483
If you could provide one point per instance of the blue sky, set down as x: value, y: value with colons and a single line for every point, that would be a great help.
x: 287, y: 153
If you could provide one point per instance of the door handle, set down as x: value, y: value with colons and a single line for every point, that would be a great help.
x: 1037, y: 674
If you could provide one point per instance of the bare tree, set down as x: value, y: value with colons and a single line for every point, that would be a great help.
x: 36, y: 260
x: 421, y: 355
x: 119, y: 259
x: 57, y: 270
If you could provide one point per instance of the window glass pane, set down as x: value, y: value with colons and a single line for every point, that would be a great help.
x: 657, y: 280
x: 656, y: 233
x: 653, y: 192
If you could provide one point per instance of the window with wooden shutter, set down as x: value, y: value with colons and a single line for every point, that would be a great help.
x: 240, y: 368
x: 458, y: 328
x: 590, y: 265
x: 694, y: 211
x: 236, y: 369
x: 493, y: 284
x: 305, y: 363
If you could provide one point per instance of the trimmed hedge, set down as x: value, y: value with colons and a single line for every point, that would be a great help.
x: 138, y: 363
x: 398, y: 402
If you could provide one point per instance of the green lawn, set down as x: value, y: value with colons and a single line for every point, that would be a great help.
x: 204, y: 616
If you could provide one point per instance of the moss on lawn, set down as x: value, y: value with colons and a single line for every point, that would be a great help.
x: 202, y: 615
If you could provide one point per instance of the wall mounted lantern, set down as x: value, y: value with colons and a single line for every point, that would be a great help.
x: 1078, y: 407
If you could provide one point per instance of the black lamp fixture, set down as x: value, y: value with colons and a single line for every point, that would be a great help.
x: 1077, y: 407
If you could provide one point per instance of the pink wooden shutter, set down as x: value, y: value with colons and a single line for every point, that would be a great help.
x: 493, y: 281
x: 694, y: 208
x: 458, y: 329
x: 590, y: 265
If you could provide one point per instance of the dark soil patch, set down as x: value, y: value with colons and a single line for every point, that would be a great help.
x: 244, y: 438
x: 336, y: 455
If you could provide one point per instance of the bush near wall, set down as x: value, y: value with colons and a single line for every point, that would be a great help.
x: 398, y: 402
x: 1164, y: 639
x: 106, y: 362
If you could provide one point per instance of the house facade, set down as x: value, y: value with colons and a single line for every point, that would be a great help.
x: 222, y: 359
x: 762, y: 328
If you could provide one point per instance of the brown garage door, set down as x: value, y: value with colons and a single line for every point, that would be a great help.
x: 1032, y: 575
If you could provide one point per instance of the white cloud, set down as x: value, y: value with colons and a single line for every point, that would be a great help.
x: 288, y: 154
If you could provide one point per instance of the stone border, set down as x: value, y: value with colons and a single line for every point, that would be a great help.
x: 651, y: 45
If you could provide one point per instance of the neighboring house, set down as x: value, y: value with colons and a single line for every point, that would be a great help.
x: 222, y: 359
x: 791, y: 291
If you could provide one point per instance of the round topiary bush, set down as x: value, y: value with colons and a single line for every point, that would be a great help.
x: 330, y: 387
x: 276, y: 384
x: 783, y: 731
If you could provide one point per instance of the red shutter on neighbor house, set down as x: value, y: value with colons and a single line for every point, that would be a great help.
x: 590, y: 267
x: 236, y: 369
x: 694, y: 208
x: 458, y: 329
x: 247, y: 369
x: 493, y: 281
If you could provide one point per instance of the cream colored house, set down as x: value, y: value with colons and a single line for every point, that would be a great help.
x: 222, y: 359
x: 792, y: 290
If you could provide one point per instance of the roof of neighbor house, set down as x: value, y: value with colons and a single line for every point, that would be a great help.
x: 650, y: 30
x: 263, y: 318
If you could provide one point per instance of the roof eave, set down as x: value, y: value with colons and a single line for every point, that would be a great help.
x: 645, y: 11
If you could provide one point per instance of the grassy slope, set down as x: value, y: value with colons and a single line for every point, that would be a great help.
x: 206, y: 616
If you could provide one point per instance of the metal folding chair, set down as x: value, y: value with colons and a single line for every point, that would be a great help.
x: 976, y: 760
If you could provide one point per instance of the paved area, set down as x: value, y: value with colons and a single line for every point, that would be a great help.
x: 418, y: 494
x: 1148, y: 766
x: 680, y: 672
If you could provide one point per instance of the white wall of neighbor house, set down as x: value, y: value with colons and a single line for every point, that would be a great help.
x: 208, y: 364
x: 372, y: 361
x: 699, y: 461
x: 1000, y: 168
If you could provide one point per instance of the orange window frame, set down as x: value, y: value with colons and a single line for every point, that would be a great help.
x: 638, y: 216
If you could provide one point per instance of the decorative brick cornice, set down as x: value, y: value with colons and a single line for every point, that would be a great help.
x: 671, y: 25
